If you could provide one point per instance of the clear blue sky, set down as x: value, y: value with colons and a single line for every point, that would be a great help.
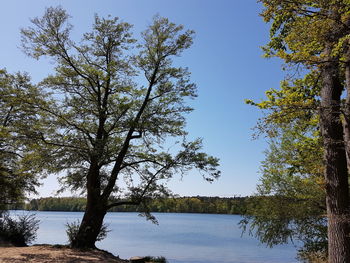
x: 226, y: 63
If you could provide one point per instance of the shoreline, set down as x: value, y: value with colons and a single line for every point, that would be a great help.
x: 55, y: 253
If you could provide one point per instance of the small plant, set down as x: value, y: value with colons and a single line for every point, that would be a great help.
x: 72, y: 230
x: 18, y: 232
x: 156, y: 259
x: 313, y: 256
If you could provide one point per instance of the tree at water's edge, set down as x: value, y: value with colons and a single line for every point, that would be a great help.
x: 314, y: 35
x: 108, y: 127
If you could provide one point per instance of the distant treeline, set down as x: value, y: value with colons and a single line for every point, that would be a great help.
x: 198, y: 204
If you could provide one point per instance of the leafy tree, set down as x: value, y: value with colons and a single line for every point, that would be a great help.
x: 110, y: 128
x: 314, y: 34
x: 18, y: 119
x: 290, y: 201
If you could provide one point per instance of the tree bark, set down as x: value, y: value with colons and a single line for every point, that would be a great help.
x: 90, y: 227
x: 94, y: 214
x: 336, y: 174
x: 346, y: 110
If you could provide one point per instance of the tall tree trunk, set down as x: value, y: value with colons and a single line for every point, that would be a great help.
x: 346, y: 122
x: 336, y: 175
x: 90, y: 226
x: 95, y: 212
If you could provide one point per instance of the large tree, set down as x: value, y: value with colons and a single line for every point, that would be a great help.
x: 119, y: 113
x: 314, y: 34
x: 19, y: 167
x: 290, y: 201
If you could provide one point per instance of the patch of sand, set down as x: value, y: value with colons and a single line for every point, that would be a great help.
x: 54, y: 254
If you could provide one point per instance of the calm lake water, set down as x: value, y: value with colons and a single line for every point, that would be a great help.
x: 181, y: 238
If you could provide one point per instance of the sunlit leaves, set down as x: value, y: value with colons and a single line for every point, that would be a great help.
x: 300, y: 28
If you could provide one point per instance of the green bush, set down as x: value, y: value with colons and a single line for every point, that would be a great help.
x: 20, y: 231
x: 156, y: 259
x: 73, y: 228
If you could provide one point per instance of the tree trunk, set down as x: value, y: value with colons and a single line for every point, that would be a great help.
x: 95, y: 212
x: 89, y: 228
x: 336, y: 174
x: 346, y: 122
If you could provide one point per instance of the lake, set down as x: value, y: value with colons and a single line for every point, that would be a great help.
x: 181, y: 238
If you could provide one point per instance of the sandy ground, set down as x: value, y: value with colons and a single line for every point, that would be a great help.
x: 54, y: 254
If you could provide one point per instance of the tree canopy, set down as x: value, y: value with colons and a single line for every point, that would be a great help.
x: 118, y: 111
x: 308, y: 117
x: 19, y: 161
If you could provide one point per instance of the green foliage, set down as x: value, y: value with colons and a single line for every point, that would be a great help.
x: 72, y: 230
x: 108, y: 124
x: 292, y: 172
x: 295, y: 103
x: 305, y: 34
x: 279, y: 219
x: 198, y: 204
x: 293, y: 165
x: 290, y: 202
x: 313, y: 257
x: 20, y: 160
x: 300, y: 29
x: 155, y: 259
x: 57, y: 204
x: 18, y: 232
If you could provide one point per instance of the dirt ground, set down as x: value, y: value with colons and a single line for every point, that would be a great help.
x: 54, y: 254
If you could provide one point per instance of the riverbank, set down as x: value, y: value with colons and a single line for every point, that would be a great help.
x: 54, y: 254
